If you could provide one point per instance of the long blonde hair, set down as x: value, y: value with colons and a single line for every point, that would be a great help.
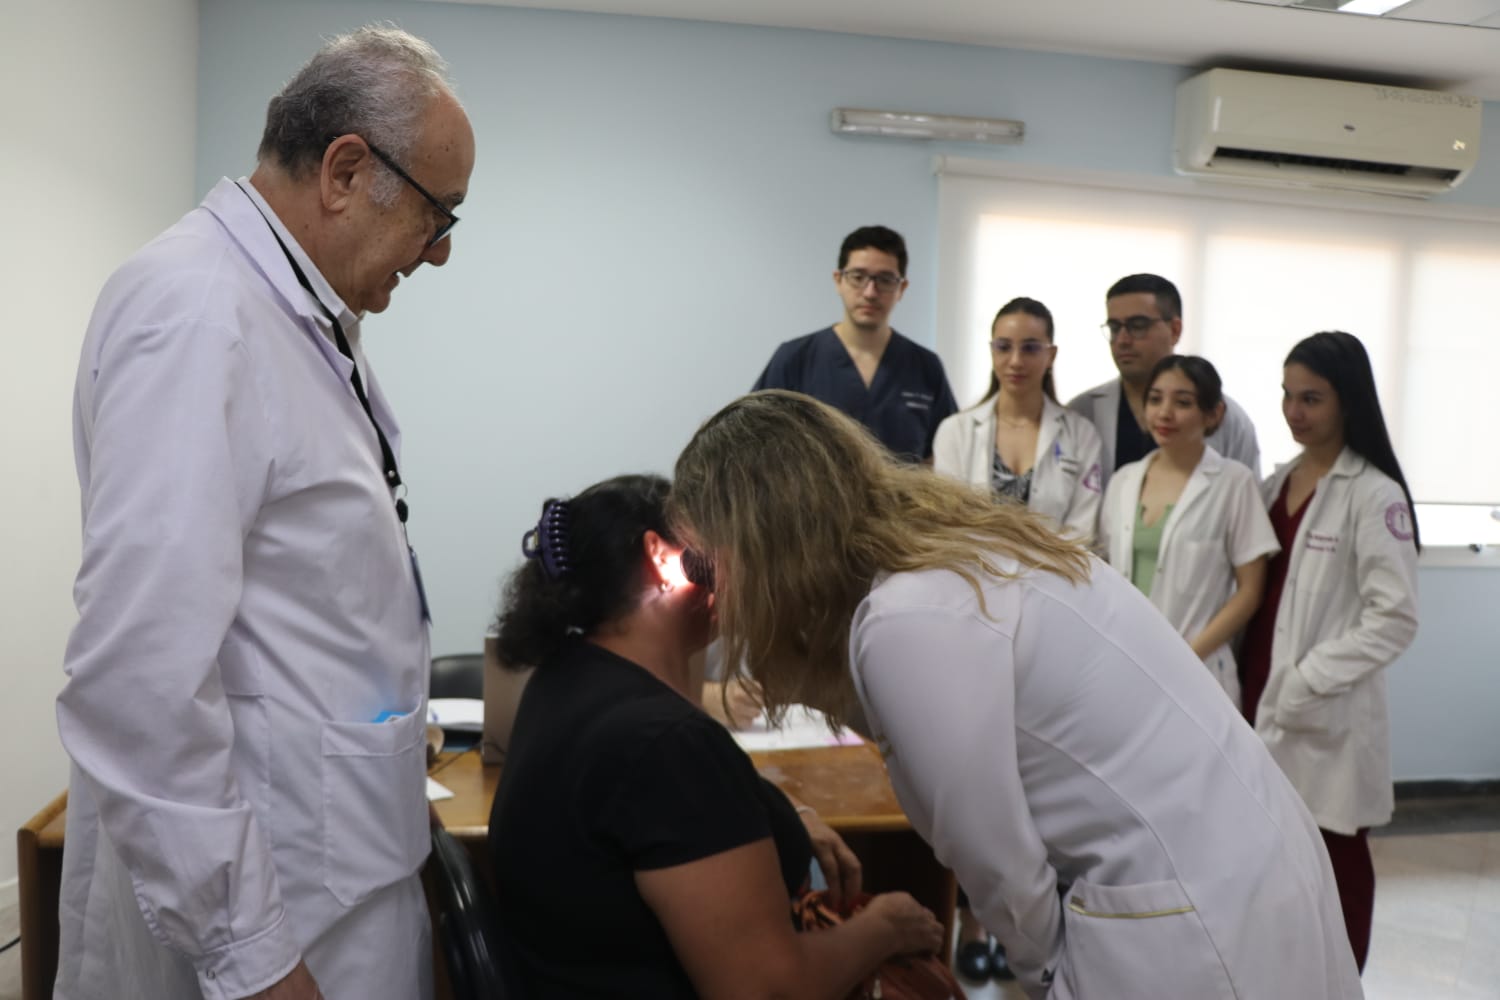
x: 799, y: 508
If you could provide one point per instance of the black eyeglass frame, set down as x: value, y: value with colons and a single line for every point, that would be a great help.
x: 385, y: 158
x: 1112, y: 328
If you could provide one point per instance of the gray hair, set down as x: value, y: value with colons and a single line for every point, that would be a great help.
x: 375, y: 82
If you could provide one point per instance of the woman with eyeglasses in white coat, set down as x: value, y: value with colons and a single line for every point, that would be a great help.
x: 1341, y: 605
x: 1019, y: 440
x: 1186, y: 525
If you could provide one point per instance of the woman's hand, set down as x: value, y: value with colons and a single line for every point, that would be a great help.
x: 910, y: 925
x: 745, y: 702
x: 297, y: 985
x: 841, y: 869
x: 736, y: 703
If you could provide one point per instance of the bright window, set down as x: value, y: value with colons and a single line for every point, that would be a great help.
x: 1258, y: 271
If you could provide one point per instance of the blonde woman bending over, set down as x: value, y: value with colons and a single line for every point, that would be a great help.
x: 1116, y: 824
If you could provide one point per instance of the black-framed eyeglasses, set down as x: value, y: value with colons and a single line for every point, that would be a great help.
x: 885, y: 281
x: 450, y: 220
x: 1135, y: 326
x: 1028, y: 348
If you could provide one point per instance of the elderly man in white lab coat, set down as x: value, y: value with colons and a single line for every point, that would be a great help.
x: 247, y: 680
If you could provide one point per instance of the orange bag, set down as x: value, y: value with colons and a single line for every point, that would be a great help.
x: 906, y: 977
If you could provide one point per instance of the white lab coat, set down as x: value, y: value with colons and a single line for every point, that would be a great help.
x: 1234, y: 438
x: 1116, y: 824
x: 1218, y: 523
x: 247, y: 607
x: 1067, y: 477
x: 1348, y: 608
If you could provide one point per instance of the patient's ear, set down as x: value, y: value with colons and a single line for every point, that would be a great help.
x: 660, y: 555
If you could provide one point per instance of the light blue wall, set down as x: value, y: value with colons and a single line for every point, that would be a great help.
x: 656, y: 205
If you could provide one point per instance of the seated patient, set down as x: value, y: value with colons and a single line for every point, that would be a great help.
x: 635, y: 850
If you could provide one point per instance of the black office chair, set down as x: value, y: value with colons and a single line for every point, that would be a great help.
x: 458, y: 676
x: 467, y: 925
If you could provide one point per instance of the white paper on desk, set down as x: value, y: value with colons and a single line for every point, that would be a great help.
x: 437, y: 792
x: 459, y: 714
x: 803, y: 727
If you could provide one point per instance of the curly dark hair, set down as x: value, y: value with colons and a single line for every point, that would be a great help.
x: 606, y: 522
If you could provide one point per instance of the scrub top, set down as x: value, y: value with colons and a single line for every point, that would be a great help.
x: 903, y: 405
x: 1132, y: 441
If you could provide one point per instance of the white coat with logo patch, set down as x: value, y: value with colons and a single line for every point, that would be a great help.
x: 1067, y: 482
x: 1348, y: 608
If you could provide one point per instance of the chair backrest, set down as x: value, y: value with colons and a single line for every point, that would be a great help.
x: 458, y: 676
x: 467, y: 925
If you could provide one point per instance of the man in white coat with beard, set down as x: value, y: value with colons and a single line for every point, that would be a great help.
x: 246, y: 691
x: 1144, y: 325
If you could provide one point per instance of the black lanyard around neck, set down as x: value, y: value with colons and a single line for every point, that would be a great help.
x: 387, y: 456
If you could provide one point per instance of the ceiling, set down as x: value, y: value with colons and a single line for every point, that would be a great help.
x: 1245, y: 35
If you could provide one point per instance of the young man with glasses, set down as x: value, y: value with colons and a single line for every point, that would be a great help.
x: 246, y: 682
x: 860, y: 365
x: 1144, y: 325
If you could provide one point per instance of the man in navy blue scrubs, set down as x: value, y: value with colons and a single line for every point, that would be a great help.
x: 860, y: 365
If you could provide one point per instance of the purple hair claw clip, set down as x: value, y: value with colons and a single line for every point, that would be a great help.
x: 548, y: 541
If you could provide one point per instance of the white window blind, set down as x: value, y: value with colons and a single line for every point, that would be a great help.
x: 1418, y: 284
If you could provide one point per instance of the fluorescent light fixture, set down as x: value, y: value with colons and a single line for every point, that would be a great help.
x: 1372, y: 7
x: 912, y: 125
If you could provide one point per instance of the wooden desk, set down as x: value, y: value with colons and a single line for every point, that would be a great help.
x: 847, y: 785
x: 39, y: 855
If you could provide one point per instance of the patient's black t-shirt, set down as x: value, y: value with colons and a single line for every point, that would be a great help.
x: 610, y: 772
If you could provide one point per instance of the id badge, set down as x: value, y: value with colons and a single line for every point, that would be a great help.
x: 416, y: 574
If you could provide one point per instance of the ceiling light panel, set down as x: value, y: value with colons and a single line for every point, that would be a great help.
x: 1463, y: 13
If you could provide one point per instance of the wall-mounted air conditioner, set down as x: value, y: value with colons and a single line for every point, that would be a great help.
x: 1264, y: 128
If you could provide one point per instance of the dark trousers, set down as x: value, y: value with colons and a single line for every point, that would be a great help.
x: 1354, y: 871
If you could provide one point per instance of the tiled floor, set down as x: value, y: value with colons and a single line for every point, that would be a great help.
x: 10, y: 961
x: 1437, y: 922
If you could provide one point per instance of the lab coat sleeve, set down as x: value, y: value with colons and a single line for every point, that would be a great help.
x: 948, y: 457
x: 177, y: 467
x: 939, y: 689
x: 1239, y: 440
x: 1250, y: 533
x: 1386, y: 575
x: 1109, y: 526
x: 1082, y: 519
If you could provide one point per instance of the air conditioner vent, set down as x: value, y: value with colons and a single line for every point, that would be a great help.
x: 1336, y: 163
x: 1300, y: 132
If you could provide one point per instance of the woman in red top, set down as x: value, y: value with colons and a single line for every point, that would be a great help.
x: 1340, y: 607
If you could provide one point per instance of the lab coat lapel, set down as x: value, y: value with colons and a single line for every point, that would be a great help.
x: 982, y: 444
x: 241, y: 214
x: 1208, y: 469
x: 1107, y: 419
x: 1047, y: 433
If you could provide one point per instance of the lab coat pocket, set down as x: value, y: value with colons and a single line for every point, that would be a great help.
x: 1138, y: 941
x: 1301, y: 709
x: 1197, y: 566
x: 375, y: 829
